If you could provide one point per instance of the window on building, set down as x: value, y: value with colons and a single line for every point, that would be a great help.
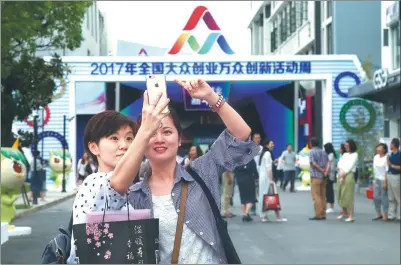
x: 273, y: 40
x: 283, y: 28
x: 288, y: 20
x: 293, y: 17
x: 268, y: 11
x: 298, y: 14
x: 385, y: 37
x: 329, y: 8
x: 329, y: 39
x: 276, y: 36
x: 92, y: 20
x: 304, y: 5
x: 95, y: 18
x: 386, y: 128
x: 395, y: 46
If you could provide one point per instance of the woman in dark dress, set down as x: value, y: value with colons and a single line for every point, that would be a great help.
x: 245, y: 177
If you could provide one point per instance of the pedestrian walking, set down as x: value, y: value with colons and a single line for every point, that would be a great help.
x: 331, y: 179
x: 380, y: 182
x: 320, y: 167
x: 346, y: 180
x: 245, y: 177
x: 394, y: 170
x: 288, y: 160
x: 266, y: 179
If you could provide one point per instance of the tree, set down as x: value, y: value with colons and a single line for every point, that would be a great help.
x: 27, y: 81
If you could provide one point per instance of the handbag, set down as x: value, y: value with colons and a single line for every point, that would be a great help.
x: 221, y: 225
x: 369, y: 192
x: 117, y: 242
x: 271, y: 200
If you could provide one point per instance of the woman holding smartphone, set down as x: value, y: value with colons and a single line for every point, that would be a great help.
x: 158, y: 138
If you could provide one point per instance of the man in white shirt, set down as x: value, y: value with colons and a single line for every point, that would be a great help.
x: 256, y: 138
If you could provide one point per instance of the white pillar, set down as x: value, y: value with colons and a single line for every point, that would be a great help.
x: 296, y: 119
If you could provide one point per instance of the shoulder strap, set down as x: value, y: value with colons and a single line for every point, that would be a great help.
x: 180, y: 224
x: 209, y: 196
x: 70, y: 224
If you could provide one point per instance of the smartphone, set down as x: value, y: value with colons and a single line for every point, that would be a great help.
x: 156, y: 84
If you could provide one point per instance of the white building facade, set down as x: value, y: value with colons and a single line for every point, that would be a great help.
x: 390, y: 11
x: 290, y: 28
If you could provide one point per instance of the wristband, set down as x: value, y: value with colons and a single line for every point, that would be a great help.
x: 220, y: 102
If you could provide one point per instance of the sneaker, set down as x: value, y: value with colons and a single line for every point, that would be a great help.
x: 282, y: 220
x: 330, y: 210
x: 265, y: 219
x: 349, y: 220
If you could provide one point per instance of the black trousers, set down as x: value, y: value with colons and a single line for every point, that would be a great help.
x: 289, y: 176
x: 329, y: 191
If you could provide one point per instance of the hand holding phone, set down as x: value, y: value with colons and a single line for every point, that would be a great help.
x: 155, y: 85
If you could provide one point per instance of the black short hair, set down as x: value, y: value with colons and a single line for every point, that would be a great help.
x: 314, y: 142
x: 105, y: 124
x: 385, y: 148
x: 352, y: 145
x: 329, y: 148
x: 396, y: 142
x: 289, y: 145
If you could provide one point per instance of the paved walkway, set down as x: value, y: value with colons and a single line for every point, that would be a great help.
x: 300, y: 241
x: 52, y: 198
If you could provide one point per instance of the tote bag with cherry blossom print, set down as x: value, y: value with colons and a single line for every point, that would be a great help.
x: 117, y: 239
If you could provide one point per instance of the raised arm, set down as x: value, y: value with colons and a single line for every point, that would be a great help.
x: 127, y: 168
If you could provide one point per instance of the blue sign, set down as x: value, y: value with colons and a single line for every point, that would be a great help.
x: 202, y: 68
x: 190, y: 103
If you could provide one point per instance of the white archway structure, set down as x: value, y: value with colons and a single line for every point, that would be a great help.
x: 338, y: 73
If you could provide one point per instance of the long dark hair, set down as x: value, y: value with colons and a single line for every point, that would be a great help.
x: 330, y: 149
x: 264, y: 150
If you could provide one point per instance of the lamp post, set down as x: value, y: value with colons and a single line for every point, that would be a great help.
x: 65, y: 119
x: 35, y: 176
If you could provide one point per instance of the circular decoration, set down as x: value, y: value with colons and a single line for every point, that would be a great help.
x: 62, y: 90
x: 367, y: 106
x: 341, y: 76
x: 52, y: 134
x: 46, y: 118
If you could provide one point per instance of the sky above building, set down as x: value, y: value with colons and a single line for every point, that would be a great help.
x: 161, y: 23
